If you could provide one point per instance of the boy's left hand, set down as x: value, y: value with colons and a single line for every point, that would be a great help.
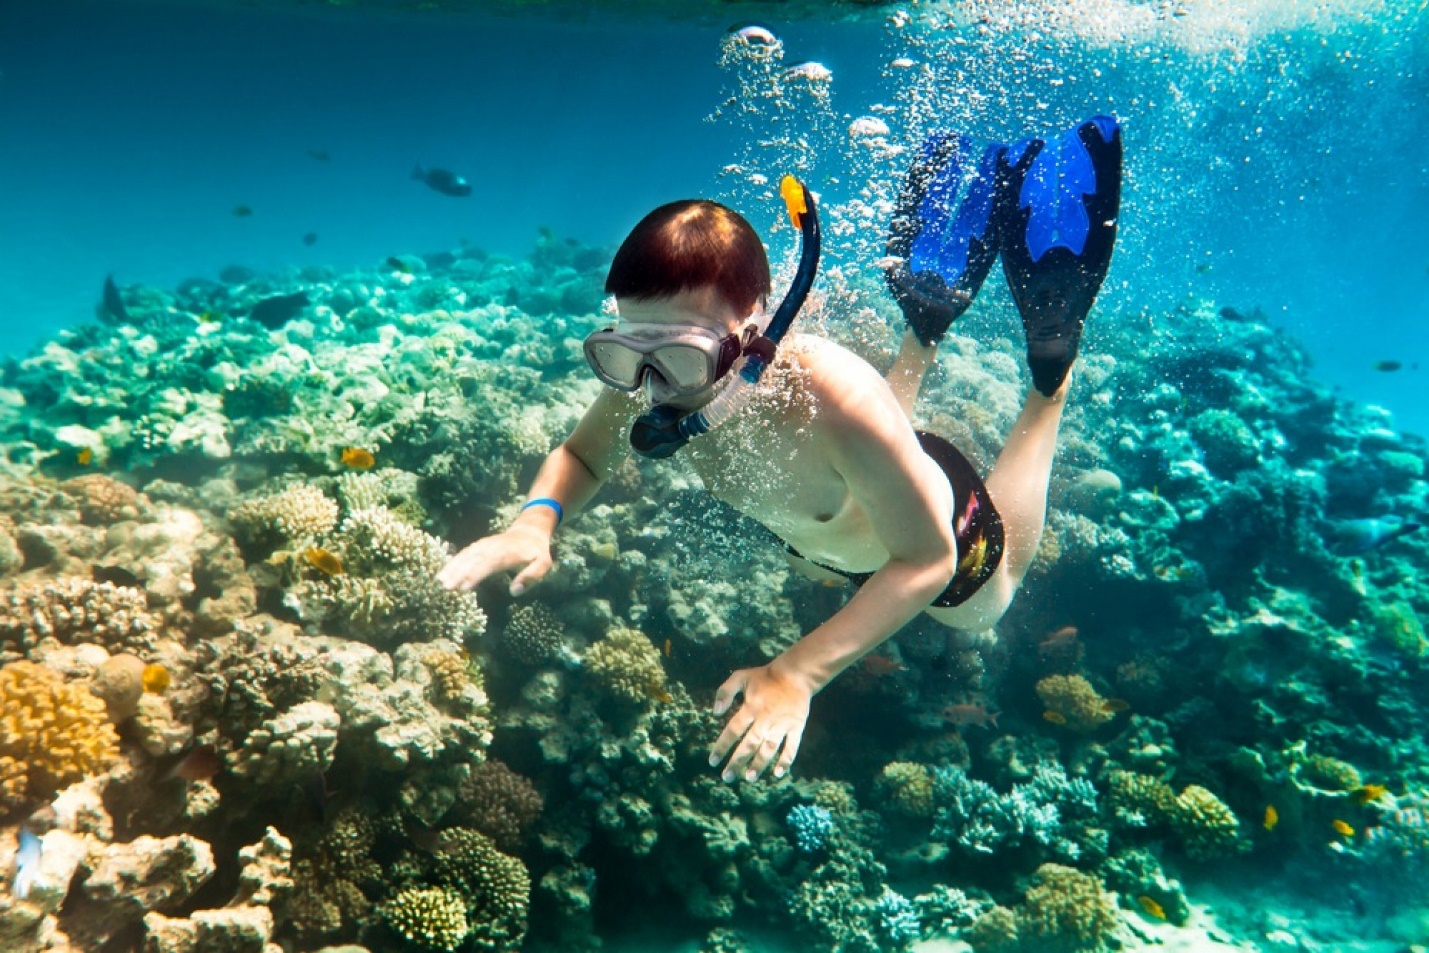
x: 769, y: 722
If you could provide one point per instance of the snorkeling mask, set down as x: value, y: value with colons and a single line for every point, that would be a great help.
x: 687, y: 359
x: 666, y: 428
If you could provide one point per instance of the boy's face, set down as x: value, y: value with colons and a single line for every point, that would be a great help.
x: 701, y: 310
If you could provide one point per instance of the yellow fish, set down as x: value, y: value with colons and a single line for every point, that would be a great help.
x: 155, y: 678
x: 1272, y: 817
x: 357, y: 458
x: 1370, y: 793
x: 1115, y: 704
x: 1341, y: 828
x: 323, y: 561
x: 1152, y: 908
x: 666, y: 648
x: 85, y: 457
x: 1055, y: 717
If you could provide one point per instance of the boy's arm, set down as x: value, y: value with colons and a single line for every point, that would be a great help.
x: 909, y: 507
x: 571, y: 475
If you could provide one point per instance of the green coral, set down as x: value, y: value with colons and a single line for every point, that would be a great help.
x: 495, y: 887
x: 1397, y: 625
x: 430, y: 917
x: 1227, y: 441
x: 1065, y: 911
x: 627, y: 665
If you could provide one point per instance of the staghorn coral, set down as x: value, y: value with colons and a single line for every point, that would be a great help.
x: 388, y: 590
x: 1051, y: 811
x: 102, y: 499
x: 1073, y: 699
x: 908, y: 786
x: 430, y: 917
x: 499, y: 803
x: 74, y: 609
x: 298, y: 514
x: 627, y: 665
x: 51, y: 733
x: 1207, y: 827
x: 533, y: 635
x: 1066, y: 911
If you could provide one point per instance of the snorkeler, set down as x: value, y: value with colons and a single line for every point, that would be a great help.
x: 839, y: 472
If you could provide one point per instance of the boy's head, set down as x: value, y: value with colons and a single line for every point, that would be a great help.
x: 688, y: 246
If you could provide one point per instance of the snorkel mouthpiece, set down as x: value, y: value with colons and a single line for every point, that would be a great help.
x: 664, y: 429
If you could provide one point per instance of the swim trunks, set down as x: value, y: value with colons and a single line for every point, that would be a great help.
x: 977, y: 527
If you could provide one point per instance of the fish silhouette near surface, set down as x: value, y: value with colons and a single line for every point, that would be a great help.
x: 113, y: 305
x: 1354, y: 537
x: 278, y: 310
x: 444, y: 181
x: 27, y: 864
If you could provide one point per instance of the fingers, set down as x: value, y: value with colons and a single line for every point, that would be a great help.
x: 532, y: 574
x: 756, y: 752
x: 732, y: 688
x: 788, y: 753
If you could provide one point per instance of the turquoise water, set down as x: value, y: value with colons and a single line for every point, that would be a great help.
x: 1209, y: 693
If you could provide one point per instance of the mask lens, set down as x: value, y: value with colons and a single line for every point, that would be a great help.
x: 614, y: 363
x: 683, y: 366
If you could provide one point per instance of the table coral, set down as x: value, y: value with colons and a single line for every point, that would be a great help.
x: 56, y: 733
x: 627, y: 665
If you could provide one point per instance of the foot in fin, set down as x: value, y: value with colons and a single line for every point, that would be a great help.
x: 944, y: 246
x: 1058, y: 225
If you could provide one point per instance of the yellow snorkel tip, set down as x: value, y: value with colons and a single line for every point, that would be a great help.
x: 792, y: 191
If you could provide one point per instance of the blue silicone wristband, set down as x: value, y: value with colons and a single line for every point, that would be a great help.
x: 546, y: 501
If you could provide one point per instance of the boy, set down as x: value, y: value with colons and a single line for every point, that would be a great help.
x: 824, y: 454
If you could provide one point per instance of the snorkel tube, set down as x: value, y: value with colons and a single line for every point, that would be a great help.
x: 665, y: 429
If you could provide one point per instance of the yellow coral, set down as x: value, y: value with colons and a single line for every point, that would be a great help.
x: 909, y: 786
x: 1207, y: 827
x: 1075, y: 701
x: 1066, y: 911
x: 628, y: 666
x: 57, y: 733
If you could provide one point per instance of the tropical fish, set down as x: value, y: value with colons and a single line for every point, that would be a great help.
x: 319, y: 155
x: 1341, y: 828
x: 1370, y: 793
x: 1272, y: 817
x: 666, y: 648
x: 155, y: 678
x: 1061, y: 638
x: 242, y: 211
x: 1387, y: 366
x: 199, y: 763
x: 27, y: 864
x: 881, y: 665
x: 357, y: 458
x: 323, y: 561
x: 971, y: 716
x: 444, y: 181
x: 1354, y: 537
x: 85, y: 457
x: 209, y: 317
x: 1152, y: 908
x: 1115, y: 704
x: 310, y: 239
x: 117, y: 575
x: 113, y: 304
x: 278, y: 310
x: 398, y: 265
x: 1055, y: 717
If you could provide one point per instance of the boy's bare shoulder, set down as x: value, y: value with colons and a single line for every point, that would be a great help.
x: 835, y: 375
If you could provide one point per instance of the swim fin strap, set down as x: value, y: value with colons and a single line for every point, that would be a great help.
x: 945, y: 246
x: 1058, y: 225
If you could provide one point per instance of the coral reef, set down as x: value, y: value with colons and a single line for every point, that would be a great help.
x: 51, y: 734
x: 627, y: 665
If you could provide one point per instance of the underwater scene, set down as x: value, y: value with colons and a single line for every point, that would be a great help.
x: 411, y: 542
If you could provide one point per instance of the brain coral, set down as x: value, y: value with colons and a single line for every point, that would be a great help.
x: 627, y: 665
x: 51, y: 733
x: 74, y: 609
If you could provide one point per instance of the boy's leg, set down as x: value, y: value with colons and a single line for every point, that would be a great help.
x: 905, y: 377
x: 1019, y: 480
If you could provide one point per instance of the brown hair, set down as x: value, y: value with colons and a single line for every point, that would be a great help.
x: 687, y: 245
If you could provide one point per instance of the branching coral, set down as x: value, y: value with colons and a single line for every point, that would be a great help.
x: 1051, y: 811
x: 298, y: 514
x: 495, y: 887
x: 51, y: 733
x: 500, y: 803
x: 627, y: 665
x: 1075, y: 702
x: 74, y: 609
x: 430, y: 917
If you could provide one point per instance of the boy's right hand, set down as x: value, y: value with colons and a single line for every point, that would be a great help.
x: 523, y: 548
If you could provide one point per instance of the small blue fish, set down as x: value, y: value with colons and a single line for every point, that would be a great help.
x: 1355, y: 537
x: 27, y: 864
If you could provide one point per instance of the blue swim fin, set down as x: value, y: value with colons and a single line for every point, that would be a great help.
x: 944, y: 246
x: 1058, y: 216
